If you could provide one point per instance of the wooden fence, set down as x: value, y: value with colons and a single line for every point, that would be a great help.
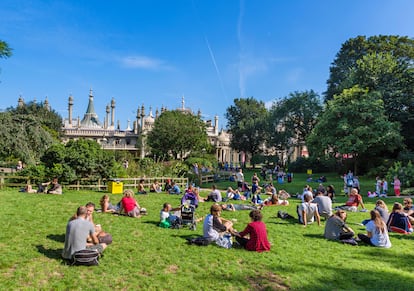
x: 89, y: 184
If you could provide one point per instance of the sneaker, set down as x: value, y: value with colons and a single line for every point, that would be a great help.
x: 364, y: 210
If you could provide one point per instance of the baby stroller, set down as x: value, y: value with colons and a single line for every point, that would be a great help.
x: 188, y: 216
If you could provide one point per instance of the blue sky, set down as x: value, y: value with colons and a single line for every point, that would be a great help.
x: 154, y: 52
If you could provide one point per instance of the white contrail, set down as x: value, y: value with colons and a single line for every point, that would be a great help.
x: 213, y: 59
x: 239, y: 37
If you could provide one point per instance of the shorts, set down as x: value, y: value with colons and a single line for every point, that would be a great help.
x: 97, y: 247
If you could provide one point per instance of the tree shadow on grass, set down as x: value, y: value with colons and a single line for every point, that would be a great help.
x: 313, y: 235
x: 57, y: 237
x: 50, y: 253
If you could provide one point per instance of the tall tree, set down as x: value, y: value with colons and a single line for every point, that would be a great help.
x: 246, y: 121
x: 383, y: 64
x: 177, y: 134
x: 292, y: 119
x: 23, y: 137
x: 354, y: 124
x: 401, y: 48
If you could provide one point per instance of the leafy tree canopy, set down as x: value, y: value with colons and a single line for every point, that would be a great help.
x: 292, y: 119
x: 354, y: 123
x: 5, y: 50
x: 176, y: 134
x: 383, y: 64
x: 23, y: 137
x: 246, y: 121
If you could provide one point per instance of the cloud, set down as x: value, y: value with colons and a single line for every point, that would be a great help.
x: 143, y: 62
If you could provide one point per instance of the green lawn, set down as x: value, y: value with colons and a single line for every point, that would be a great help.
x: 146, y: 257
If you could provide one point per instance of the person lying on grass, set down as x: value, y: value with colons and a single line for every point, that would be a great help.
x: 235, y: 207
x: 257, y: 233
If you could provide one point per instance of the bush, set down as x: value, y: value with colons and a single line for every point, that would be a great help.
x: 301, y: 165
x: 404, y: 173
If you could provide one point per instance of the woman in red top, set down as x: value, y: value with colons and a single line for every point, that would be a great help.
x: 257, y: 232
x: 129, y: 204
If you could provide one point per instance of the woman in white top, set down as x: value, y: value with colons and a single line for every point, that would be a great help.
x: 377, y: 233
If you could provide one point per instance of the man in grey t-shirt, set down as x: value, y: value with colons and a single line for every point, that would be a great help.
x: 77, y: 232
x: 324, y: 204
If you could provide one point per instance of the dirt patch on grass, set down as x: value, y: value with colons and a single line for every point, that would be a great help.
x: 268, y: 281
x: 171, y: 269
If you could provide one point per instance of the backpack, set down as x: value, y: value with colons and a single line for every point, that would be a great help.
x: 86, y: 257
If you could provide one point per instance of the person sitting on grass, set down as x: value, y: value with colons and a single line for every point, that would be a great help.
x: 308, y: 211
x: 214, y: 226
x: 409, y: 209
x: 398, y: 220
x: 270, y: 189
x: 77, y: 232
x: 256, y: 230
x: 377, y: 233
x: 106, y: 206
x: 141, y: 188
x: 55, y: 187
x: 233, y: 194
x: 168, y: 219
x: 129, y: 205
x: 324, y: 204
x: 382, y: 208
x: 354, y: 200
x: 155, y: 187
x: 337, y: 229
x: 215, y: 194
x: 174, y: 189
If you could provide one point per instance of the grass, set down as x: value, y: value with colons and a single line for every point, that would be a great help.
x: 146, y: 257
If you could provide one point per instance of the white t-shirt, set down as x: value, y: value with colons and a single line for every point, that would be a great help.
x: 378, y: 239
x: 310, y: 209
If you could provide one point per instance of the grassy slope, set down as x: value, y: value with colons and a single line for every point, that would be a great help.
x: 144, y: 256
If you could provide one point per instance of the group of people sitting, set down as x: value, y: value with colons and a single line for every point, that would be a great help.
x: 377, y: 226
x: 82, y: 233
x: 52, y: 187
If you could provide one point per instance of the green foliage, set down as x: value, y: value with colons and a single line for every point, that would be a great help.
x: 176, y: 135
x: 383, y: 64
x: 23, y: 137
x: 354, y: 123
x: 79, y: 159
x: 404, y: 172
x: 246, y: 121
x: 301, y: 165
x: 292, y: 119
x: 5, y: 50
x: 49, y: 118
